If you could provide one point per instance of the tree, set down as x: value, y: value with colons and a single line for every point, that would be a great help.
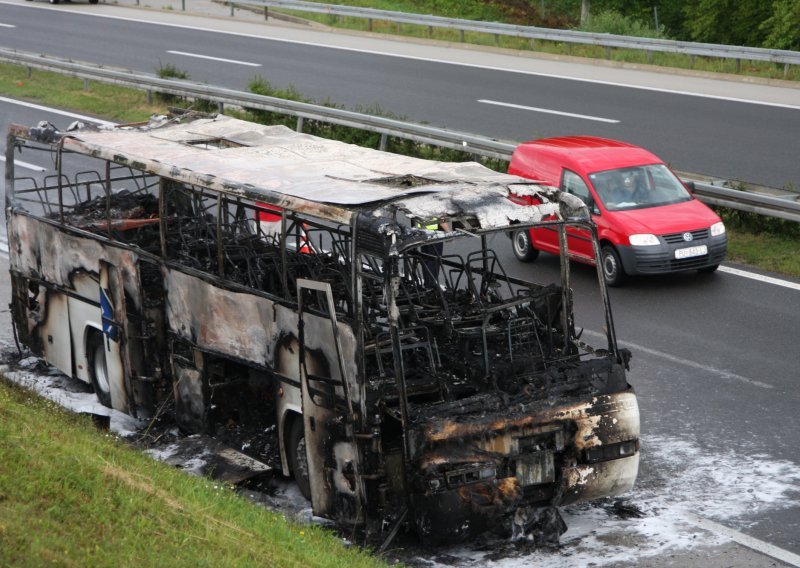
x: 732, y: 22
x: 782, y: 28
x: 586, y: 6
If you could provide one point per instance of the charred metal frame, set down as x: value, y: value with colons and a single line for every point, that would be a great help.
x: 451, y: 405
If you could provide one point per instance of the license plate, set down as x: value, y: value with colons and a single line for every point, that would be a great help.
x: 689, y: 252
x: 535, y: 469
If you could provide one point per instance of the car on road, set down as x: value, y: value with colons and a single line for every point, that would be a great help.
x: 648, y: 221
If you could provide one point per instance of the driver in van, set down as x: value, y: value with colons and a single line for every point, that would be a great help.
x: 629, y: 190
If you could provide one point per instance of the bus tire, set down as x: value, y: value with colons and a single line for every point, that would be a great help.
x: 298, y: 460
x: 98, y: 369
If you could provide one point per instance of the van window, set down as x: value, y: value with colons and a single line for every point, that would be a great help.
x: 572, y: 183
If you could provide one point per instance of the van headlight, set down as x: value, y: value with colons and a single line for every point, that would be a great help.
x: 717, y: 229
x: 644, y: 240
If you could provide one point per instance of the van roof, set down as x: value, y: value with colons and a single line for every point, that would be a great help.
x: 588, y: 154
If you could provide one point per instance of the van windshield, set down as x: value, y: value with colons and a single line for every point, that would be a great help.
x: 638, y: 187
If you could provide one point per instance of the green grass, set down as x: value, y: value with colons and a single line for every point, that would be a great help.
x: 73, y: 496
x: 767, y: 251
x: 128, y: 105
x: 101, y: 100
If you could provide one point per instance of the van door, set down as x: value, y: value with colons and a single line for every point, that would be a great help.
x: 333, y: 462
x: 579, y: 240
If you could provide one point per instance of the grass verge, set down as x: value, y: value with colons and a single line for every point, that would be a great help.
x: 774, y: 250
x: 73, y: 496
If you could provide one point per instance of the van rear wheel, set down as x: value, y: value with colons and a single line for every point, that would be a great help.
x: 523, y: 247
x: 613, y: 271
x: 298, y: 460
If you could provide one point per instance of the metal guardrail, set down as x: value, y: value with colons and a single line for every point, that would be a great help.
x: 471, y: 143
x: 529, y: 32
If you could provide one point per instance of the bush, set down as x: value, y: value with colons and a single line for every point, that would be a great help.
x: 757, y: 224
x: 612, y: 22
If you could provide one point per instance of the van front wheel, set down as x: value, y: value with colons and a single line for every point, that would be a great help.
x: 523, y: 247
x: 612, y: 266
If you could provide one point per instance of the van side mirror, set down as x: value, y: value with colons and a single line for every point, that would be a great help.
x: 592, y: 206
x: 689, y: 186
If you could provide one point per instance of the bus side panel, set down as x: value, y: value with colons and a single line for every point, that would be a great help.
x: 60, y: 268
x: 255, y: 330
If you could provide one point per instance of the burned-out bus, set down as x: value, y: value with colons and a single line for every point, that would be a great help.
x: 351, y: 297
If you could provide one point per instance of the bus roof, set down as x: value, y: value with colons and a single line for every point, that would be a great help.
x: 327, y: 178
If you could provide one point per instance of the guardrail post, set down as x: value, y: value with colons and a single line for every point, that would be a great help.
x: 266, y: 13
x: 232, y: 9
x: 221, y: 107
x: 533, y: 44
x: 183, y: 5
x: 86, y: 84
x: 430, y: 31
x: 461, y: 35
x: 607, y: 52
x: 738, y: 65
x: 785, y: 70
x: 649, y: 56
x: 382, y: 145
x: 496, y: 39
x: 691, y: 61
x: 369, y: 24
x: 299, y: 124
x: 30, y: 72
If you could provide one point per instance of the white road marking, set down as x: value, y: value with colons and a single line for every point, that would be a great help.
x: 57, y: 111
x: 549, y: 111
x: 33, y: 167
x: 221, y: 59
x: 432, y: 60
x: 7, y: 26
x: 760, y: 277
x: 752, y: 543
x: 680, y: 361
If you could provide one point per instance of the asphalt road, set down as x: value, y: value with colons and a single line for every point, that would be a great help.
x: 715, y: 362
x: 724, y: 138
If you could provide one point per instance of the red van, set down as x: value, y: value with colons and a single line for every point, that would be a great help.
x: 648, y: 221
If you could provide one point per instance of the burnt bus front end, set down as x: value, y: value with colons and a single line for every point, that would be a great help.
x: 505, y: 411
x: 475, y: 468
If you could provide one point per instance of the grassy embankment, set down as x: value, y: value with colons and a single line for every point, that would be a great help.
x: 71, y: 495
x: 769, y: 244
x: 491, y: 12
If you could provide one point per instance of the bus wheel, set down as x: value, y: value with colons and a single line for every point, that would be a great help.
x: 523, y: 247
x: 98, y: 370
x: 612, y: 266
x: 298, y: 460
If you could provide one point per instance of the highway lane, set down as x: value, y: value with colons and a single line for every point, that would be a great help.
x: 709, y: 136
x: 714, y: 364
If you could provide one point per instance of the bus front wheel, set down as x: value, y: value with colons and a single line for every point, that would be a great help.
x: 298, y: 460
